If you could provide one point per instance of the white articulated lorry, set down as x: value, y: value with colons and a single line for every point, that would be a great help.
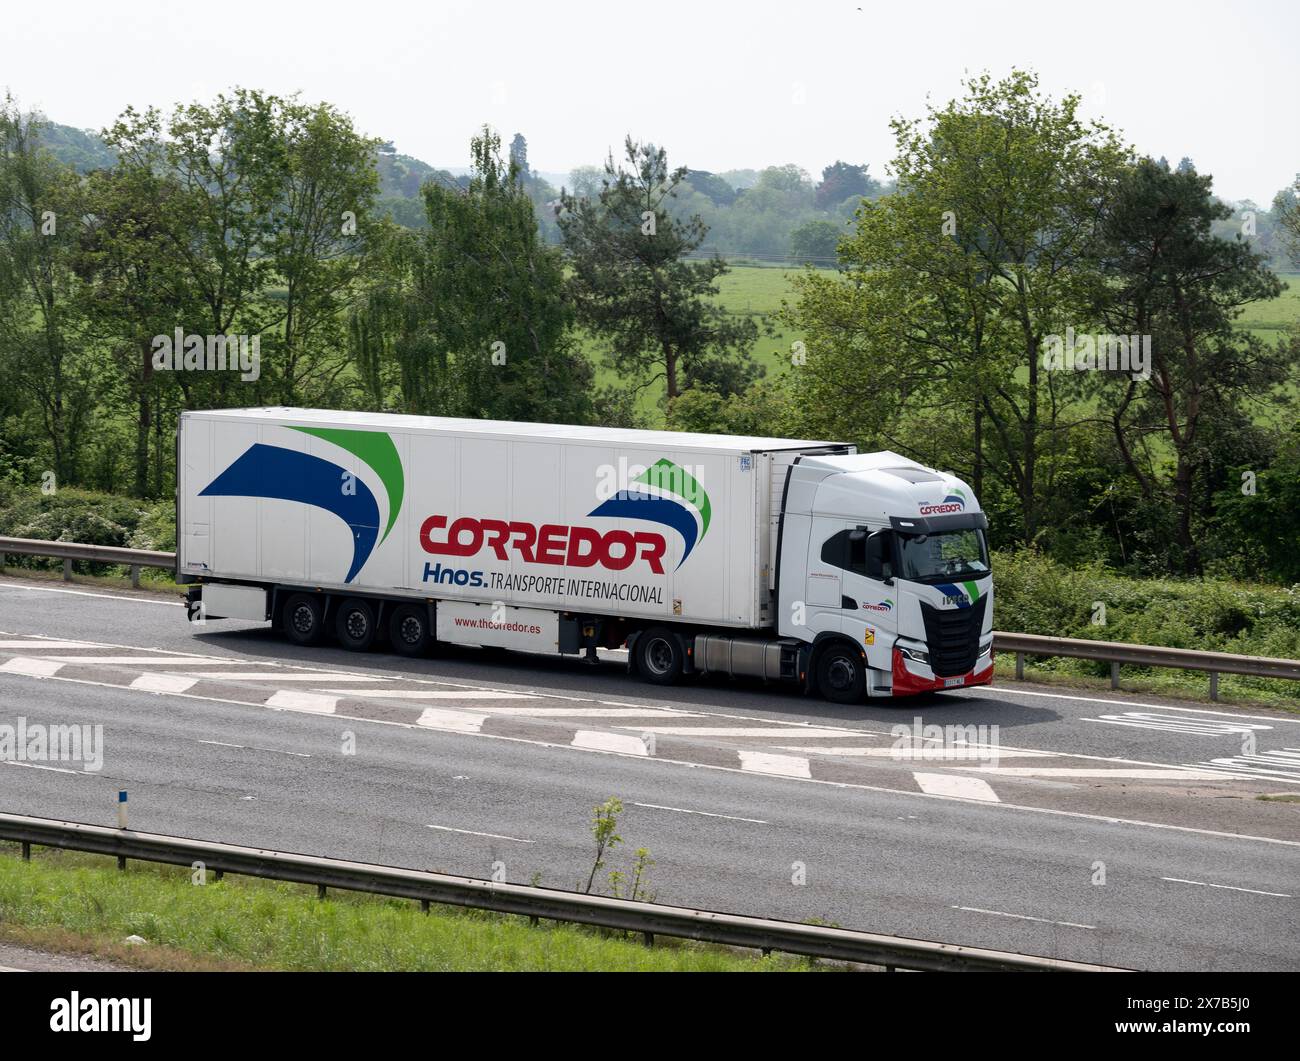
x: 852, y: 574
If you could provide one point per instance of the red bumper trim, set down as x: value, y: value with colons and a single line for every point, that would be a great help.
x: 906, y: 683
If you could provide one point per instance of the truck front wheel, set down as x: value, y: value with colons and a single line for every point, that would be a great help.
x: 659, y: 656
x: 841, y: 674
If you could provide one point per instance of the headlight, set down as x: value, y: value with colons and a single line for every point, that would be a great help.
x: 914, y: 654
x: 986, y: 647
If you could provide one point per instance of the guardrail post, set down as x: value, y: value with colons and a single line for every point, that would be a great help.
x: 1214, y: 685
x: 1020, y: 666
x: 1114, y: 674
x: 67, y: 570
x: 135, y: 576
x: 27, y: 851
x: 2, y: 563
x: 320, y: 891
x: 424, y: 906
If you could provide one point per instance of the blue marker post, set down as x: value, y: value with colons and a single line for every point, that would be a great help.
x: 121, y: 823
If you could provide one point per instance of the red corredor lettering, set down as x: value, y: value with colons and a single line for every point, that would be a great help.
x: 552, y: 543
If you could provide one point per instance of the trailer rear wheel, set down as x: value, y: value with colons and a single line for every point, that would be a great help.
x: 304, y: 619
x: 354, y: 623
x: 408, y: 630
x: 659, y: 656
x: 841, y: 674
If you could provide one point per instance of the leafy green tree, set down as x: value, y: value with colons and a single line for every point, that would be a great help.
x: 815, y: 242
x: 954, y: 282
x: 1175, y: 282
x: 44, y: 352
x: 471, y: 313
x: 840, y: 180
x: 633, y: 285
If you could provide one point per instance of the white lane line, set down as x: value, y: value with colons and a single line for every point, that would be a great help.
x: 767, y: 763
x: 163, y: 683
x: 1026, y: 917
x: 575, y: 712
x: 1173, y: 773
x: 471, y: 832
x: 9, y: 584
x: 1227, y: 887
x: 455, y: 721
x: 46, y: 644
x: 969, y: 753
x: 254, y: 748
x: 42, y: 766
x: 416, y: 694
x: 1023, y: 808
x: 293, y: 700
x: 1002, y: 690
x: 787, y: 732
x: 1177, y: 724
x: 701, y: 813
x: 623, y: 743
x: 281, y: 676
x: 171, y: 661
x: 957, y: 786
x: 32, y: 668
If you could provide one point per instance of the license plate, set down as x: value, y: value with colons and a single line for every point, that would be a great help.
x: 952, y: 683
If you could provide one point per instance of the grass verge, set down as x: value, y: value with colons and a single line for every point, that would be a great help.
x: 72, y: 902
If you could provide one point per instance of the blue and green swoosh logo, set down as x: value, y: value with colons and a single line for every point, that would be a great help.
x: 665, y: 493
x: 290, y: 475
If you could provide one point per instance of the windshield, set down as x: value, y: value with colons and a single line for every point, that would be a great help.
x: 943, y: 557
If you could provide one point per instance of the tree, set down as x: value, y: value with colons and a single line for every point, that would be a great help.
x: 1176, y: 283
x: 472, y: 311
x: 815, y: 242
x: 955, y: 281
x: 43, y: 348
x: 632, y: 284
x: 841, y: 180
x: 519, y: 156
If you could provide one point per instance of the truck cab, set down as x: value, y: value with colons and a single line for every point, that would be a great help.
x: 883, y: 571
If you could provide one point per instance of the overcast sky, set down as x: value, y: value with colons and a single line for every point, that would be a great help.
x: 722, y: 84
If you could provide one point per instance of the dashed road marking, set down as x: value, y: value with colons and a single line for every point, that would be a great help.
x: 279, y: 676
x: 767, y: 763
x: 1026, y: 917
x: 33, y: 668
x: 598, y: 740
x: 957, y: 786
x: 151, y: 661
x: 1227, y: 887
x: 1201, y: 727
x: 432, y: 694
x: 701, y: 813
x: 296, y: 700
x: 163, y: 683
x: 46, y: 645
x: 775, y: 732
x: 1172, y: 773
x: 456, y: 721
x: 471, y: 832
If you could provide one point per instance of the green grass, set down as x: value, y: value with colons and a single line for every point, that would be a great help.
x: 83, y: 903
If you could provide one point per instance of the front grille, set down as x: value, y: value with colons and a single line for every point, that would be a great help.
x: 952, y: 637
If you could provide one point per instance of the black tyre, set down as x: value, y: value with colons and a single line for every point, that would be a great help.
x: 303, y: 619
x: 659, y: 656
x: 842, y: 674
x: 408, y: 629
x: 354, y: 624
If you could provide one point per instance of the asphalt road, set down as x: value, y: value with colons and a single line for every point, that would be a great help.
x: 1120, y: 830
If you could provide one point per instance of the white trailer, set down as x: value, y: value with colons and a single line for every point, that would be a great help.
x: 699, y: 552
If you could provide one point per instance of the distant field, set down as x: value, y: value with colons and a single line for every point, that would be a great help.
x: 759, y: 290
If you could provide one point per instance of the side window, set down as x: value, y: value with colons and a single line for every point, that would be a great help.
x: 843, y: 551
